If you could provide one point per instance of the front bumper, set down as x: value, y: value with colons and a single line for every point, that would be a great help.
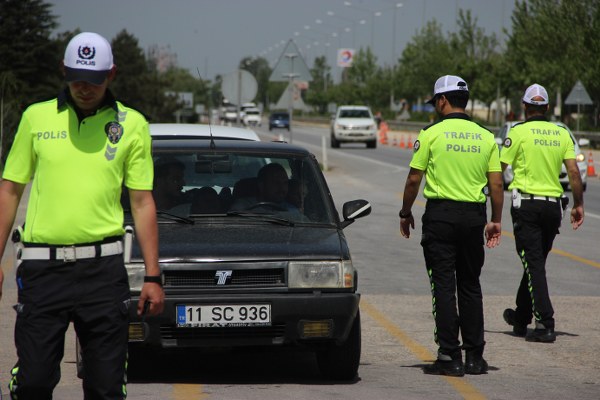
x: 291, y: 313
x: 354, y: 135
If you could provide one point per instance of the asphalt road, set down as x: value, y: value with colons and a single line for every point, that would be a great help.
x: 397, y: 334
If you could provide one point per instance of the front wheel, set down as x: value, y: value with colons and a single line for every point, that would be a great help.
x: 335, y: 144
x: 340, y: 362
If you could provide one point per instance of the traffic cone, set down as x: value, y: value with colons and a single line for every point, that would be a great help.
x: 402, y: 142
x: 409, y: 143
x: 383, y: 129
x: 591, y: 170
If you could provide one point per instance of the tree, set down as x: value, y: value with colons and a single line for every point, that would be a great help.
x: 29, y: 59
x: 321, y: 80
x: 427, y: 57
x: 131, y: 82
x: 555, y: 43
x: 475, y: 53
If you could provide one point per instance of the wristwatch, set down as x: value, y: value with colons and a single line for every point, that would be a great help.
x: 402, y: 216
x: 154, y: 279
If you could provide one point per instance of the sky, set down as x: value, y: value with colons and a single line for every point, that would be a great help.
x: 212, y: 36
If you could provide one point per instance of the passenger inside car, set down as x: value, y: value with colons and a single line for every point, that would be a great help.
x: 205, y: 200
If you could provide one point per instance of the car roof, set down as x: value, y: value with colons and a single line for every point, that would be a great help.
x: 269, y: 149
x: 354, y: 107
x: 201, y: 131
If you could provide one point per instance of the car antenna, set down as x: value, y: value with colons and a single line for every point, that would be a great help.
x: 212, y: 141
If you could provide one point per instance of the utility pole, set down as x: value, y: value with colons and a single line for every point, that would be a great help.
x: 291, y: 75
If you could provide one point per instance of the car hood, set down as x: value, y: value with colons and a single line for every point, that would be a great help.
x: 252, y: 242
x: 355, y: 121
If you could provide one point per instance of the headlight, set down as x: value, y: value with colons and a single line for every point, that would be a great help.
x: 321, y: 274
x: 580, y: 157
x: 136, y: 273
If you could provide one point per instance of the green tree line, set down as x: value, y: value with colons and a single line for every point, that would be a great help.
x: 551, y: 42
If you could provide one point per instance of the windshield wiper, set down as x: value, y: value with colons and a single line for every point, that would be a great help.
x: 262, y: 217
x: 174, y: 217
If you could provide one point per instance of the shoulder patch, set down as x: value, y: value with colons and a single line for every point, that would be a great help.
x: 416, y: 145
x: 507, y: 142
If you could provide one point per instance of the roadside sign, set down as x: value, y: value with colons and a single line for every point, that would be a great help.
x: 345, y: 58
x: 239, y: 87
x: 291, y: 65
x: 578, y: 96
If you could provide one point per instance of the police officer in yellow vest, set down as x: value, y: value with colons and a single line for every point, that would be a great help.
x: 79, y: 149
x: 536, y: 149
x: 459, y: 159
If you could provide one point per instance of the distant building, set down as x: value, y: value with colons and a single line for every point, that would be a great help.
x: 162, y: 56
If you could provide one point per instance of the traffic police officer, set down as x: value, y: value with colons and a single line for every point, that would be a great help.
x: 459, y: 159
x: 79, y: 148
x: 536, y: 149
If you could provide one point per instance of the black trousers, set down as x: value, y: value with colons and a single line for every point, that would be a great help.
x: 94, y: 295
x: 535, y: 225
x: 453, y: 243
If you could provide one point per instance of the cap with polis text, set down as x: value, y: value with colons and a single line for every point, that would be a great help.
x: 88, y: 58
x: 448, y: 83
x: 536, y: 95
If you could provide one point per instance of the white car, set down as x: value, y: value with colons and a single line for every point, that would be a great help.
x: 508, y: 175
x: 353, y: 124
x: 252, y: 117
x: 202, y: 131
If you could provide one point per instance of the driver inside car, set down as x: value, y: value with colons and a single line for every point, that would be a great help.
x: 272, y: 190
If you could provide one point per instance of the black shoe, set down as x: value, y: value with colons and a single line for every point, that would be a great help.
x: 475, y: 365
x: 543, y: 335
x: 449, y: 368
x: 510, y: 318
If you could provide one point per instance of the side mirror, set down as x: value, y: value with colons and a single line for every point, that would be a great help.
x: 355, y: 209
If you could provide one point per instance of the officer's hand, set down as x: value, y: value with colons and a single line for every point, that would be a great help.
x: 153, y: 294
x: 405, y: 225
x: 493, y: 232
x: 577, y: 217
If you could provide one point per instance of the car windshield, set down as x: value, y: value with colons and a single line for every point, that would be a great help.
x: 280, y: 116
x: 240, y: 185
x: 354, y: 114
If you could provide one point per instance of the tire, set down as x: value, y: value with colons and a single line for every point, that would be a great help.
x: 340, y: 362
x: 372, y: 144
x: 335, y: 144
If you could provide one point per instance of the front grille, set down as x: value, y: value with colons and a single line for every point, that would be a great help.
x: 171, y: 332
x: 273, y: 277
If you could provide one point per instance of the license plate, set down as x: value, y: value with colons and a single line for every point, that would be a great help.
x: 225, y: 315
